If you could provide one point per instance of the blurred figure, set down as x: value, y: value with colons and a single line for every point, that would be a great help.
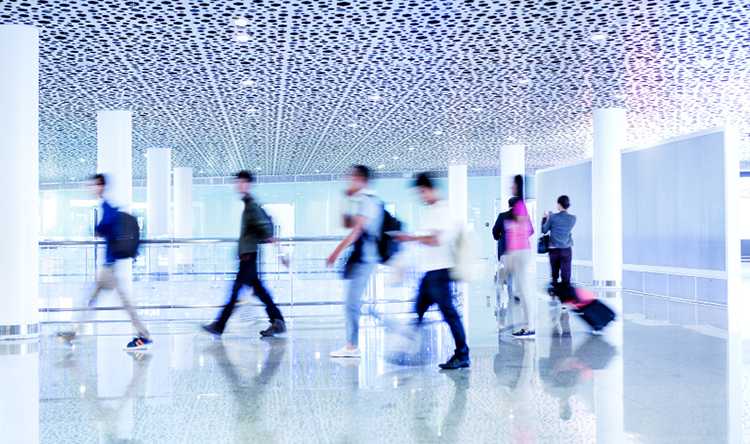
x: 503, y: 281
x: 112, y: 228
x: 442, y: 230
x: 364, y: 217
x: 518, y: 229
x: 560, y: 226
x: 256, y: 228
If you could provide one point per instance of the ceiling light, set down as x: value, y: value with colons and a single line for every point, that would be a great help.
x: 241, y: 37
x: 252, y: 110
x: 381, y: 166
x: 598, y: 36
x: 317, y: 171
x: 258, y: 168
x: 705, y: 62
x: 82, y: 160
x: 352, y: 125
x: 477, y: 109
x: 412, y: 149
x: 437, y: 133
x: 524, y: 81
x: 375, y: 98
x: 241, y: 22
x: 395, y: 157
x: 248, y: 82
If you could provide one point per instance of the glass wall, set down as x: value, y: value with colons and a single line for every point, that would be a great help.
x: 316, y: 206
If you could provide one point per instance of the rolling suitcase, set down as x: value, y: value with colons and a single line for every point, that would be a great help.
x: 596, y: 313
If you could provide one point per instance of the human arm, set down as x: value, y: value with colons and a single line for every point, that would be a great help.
x: 358, y: 223
x: 546, y: 223
x: 498, y: 228
x: 109, y: 217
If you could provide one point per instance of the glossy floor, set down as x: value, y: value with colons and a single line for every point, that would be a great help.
x: 647, y: 380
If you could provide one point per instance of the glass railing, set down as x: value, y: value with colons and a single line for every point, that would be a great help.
x: 177, y: 279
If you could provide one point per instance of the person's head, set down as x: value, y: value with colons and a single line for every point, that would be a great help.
x: 425, y: 186
x: 517, y: 187
x: 98, y: 183
x: 359, y: 178
x: 563, y: 203
x: 512, y: 201
x: 242, y: 181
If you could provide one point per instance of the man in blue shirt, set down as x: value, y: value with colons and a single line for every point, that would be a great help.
x: 108, y: 228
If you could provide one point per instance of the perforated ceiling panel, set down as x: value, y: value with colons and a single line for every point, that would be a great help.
x: 308, y: 86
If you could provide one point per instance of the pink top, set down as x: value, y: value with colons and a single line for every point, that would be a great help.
x: 517, y: 233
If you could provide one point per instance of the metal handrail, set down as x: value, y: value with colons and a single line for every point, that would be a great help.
x: 186, y: 241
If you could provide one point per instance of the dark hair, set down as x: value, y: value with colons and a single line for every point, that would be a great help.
x: 100, y: 179
x: 362, y: 172
x: 564, y: 201
x: 424, y: 180
x: 518, y: 181
x: 245, y: 175
x: 512, y: 201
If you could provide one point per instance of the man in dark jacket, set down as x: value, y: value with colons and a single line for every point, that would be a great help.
x: 256, y: 227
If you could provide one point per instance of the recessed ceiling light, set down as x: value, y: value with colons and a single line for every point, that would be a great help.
x: 241, y: 37
x: 381, y: 166
x: 248, y: 82
x: 477, y: 109
x: 598, y: 36
x: 437, y: 133
x: 706, y: 62
x: 353, y: 125
x: 317, y: 171
x: 395, y: 157
x: 258, y: 168
x: 375, y: 98
x: 241, y: 22
x: 524, y: 81
x: 411, y: 148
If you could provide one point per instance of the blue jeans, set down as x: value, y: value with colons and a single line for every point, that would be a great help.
x: 356, y: 285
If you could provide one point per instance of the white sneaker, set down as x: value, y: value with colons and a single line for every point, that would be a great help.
x: 346, y: 352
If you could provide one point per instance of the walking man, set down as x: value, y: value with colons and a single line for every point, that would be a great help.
x: 256, y: 228
x: 364, y: 218
x: 109, y: 276
x: 441, y: 232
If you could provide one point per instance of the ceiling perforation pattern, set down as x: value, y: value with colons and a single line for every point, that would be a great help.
x: 310, y: 86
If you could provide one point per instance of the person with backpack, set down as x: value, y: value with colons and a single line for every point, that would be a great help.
x: 256, y: 228
x: 441, y: 232
x: 498, y: 233
x: 364, y: 219
x: 121, y: 235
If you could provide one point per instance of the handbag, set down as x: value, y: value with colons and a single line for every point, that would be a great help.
x: 542, y: 244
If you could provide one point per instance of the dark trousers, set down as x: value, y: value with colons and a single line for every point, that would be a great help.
x: 435, y: 288
x: 248, y: 276
x: 560, y: 260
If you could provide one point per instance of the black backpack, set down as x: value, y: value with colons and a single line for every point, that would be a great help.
x: 265, y: 229
x: 387, y: 245
x: 127, y: 237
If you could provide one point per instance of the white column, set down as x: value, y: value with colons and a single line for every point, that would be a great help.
x: 158, y: 183
x: 610, y: 125
x: 512, y: 163
x: 19, y: 182
x: 183, y: 213
x: 458, y: 192
x: 183, y: 202
x: 114, y: 151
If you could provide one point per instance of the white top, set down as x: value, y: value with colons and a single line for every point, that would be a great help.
x: 437, y: 219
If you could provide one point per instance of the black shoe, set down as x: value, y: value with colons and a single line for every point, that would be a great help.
x: 456, y: 362
x: 211, y: 328
x: 277, y: 327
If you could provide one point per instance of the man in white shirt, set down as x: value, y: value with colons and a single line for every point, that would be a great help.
x: 441, y: 231
x: 364, y: 217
